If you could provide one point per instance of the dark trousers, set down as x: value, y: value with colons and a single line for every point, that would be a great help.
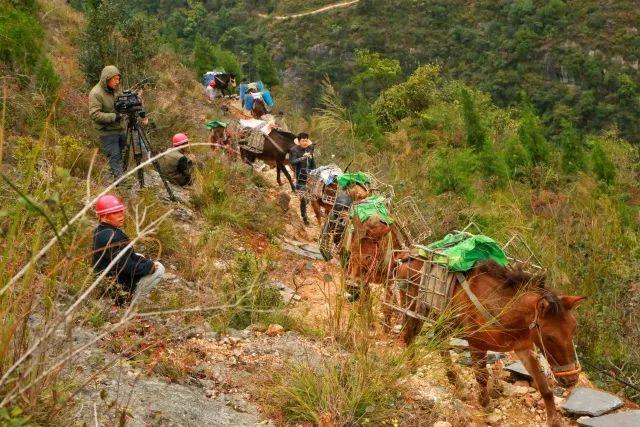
x: 112, y: 147
x: 303, y: 200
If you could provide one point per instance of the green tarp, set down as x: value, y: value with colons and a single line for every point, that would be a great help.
x: 372, y: 205
x: 348, y: 179
x: 462, y: 251
x: 215, y: 124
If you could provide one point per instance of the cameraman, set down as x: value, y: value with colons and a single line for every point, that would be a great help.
x: 105, y: 118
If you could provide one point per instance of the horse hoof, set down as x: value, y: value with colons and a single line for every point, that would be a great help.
x: 556, y: 421
x: 484, y: 400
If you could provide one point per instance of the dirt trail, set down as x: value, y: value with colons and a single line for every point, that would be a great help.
x: 312, y: 12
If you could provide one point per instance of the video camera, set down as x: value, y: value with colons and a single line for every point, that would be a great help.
x: 129, y: 103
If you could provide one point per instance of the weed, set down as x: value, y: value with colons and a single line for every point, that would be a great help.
x: 359, y: 389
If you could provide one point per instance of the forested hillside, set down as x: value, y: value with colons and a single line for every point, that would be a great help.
x: 574, y: 60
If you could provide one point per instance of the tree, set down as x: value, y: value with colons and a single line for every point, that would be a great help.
x: 376, y: 72
x: 603, y: 167
x: 111, y: 36
x: 476, y: 132
x: 572, y: 144
x: 264, y: 66
x: 207, y: 56
x: 531, y: 135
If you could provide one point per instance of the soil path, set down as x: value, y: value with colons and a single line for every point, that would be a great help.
x: 312, y: 12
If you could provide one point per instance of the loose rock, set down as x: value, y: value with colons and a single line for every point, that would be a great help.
x: 587, y: 401
x: 623, y: 419
x: 275, y: 330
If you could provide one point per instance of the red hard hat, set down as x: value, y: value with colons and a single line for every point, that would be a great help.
x: 108, y: 204
x: 180, y: 139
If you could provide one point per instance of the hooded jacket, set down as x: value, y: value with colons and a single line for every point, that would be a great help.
x: 101, y: 99
x: 176, y: 167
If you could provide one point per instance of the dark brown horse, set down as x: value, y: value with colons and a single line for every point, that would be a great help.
x: 274, y: 151
x: 226, y: 83
x: 259, y: 108
x: 513, y: 311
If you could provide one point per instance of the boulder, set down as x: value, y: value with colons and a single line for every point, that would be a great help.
x: 588, y: 401
x: 518, y: 370
x: 622, y: 419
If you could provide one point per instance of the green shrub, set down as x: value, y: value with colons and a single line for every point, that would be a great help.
x: 407, y: 98
x: 113, y: 37
x: 21, y: 48
x: 531, y: 135
x: 572, y: 145
x: 207, y: 56
x: 264, y: 67
x: 365, y: 125
x: 356, y: 390
x: 603, y: 167
x: 476, y: 131
x: 453, y: 171
x: 249, y: 288
x: 517, y: 159
x: 492, y: 165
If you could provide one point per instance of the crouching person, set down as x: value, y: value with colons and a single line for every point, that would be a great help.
x: 136, y: 274
x: 176, y: 166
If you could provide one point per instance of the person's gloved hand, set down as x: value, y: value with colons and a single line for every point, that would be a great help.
x: 118, y: 117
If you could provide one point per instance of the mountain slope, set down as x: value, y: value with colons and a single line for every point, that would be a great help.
x: 574, y: 60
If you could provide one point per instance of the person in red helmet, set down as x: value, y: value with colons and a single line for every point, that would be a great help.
x: 136, y: 274
x: 212, y: 91
x: 176, y: 166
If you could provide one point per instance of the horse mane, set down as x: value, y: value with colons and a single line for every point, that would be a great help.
x: 285, y: 134
x: 517, y: 279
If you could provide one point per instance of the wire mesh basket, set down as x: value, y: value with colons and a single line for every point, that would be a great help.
x: 411, y: 221
x: 334, y: 229
x: 422, y: 282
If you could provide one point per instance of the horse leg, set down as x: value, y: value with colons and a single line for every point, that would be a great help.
x: 386, y: 310
x: 287, y: 175
x: 278, y: 179
x: 316, y: 211
x: 479, y: 358
x: 533, y: 367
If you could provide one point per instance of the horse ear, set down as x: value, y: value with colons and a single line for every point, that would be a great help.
x: 571, y: 301
x: 544, y: 306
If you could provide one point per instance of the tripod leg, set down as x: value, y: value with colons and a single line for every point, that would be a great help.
x: 125, y: 155
x: 143, y: 139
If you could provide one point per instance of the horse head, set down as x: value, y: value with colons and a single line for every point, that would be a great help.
x: 553, y: 329
x: 219, y: 137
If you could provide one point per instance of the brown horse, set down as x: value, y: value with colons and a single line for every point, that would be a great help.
x: 221, y: 139
x: 372, y: 246
x: 513, y: 311
x: 274, y: 152
x: 259, y: 108
x: 320, y: 202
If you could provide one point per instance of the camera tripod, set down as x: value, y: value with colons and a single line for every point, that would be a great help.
x: 138, y: 141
